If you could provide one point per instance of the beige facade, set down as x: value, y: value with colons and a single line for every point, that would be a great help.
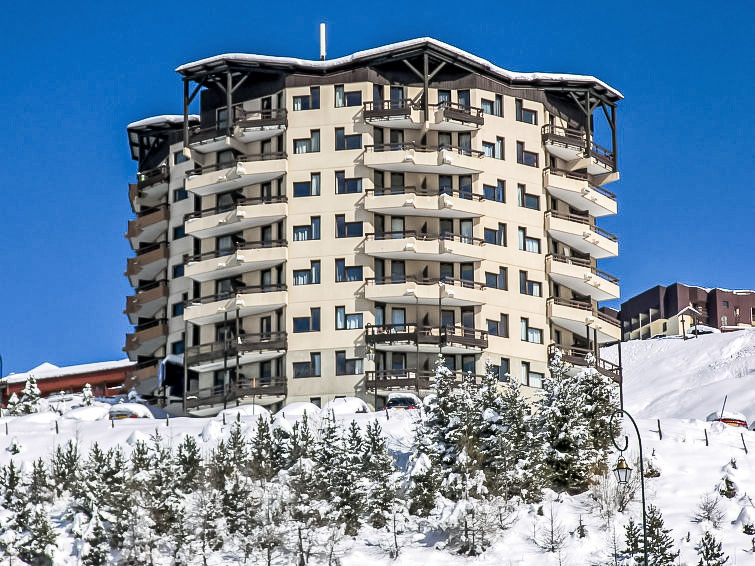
x: 337, y: 250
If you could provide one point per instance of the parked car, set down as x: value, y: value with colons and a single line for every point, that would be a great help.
x: 402, y: 401
x: 731, y: 418
x: 129, y: 411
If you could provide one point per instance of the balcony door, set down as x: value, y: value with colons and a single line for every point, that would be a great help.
x: 379, y: 271
x: 266, y: 327
x: 397, y: 139
x: 397, y: 97
x: 444, y: 98
x: 466, y: 228
x: 397, y: 227
x: 398, y: 271
x: 398, y: 320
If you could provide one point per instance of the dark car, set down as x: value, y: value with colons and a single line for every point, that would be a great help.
x: 402, y: 402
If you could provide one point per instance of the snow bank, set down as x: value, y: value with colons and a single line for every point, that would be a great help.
x: 96, y: 412
x: 132, y: 410
x: 295, y: 411
x: 345, y: 406
x: 243, y: 412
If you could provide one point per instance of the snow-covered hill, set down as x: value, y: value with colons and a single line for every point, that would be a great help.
x: 688, y: 379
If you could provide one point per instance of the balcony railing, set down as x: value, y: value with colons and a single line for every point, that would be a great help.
x: 425, y: 192
x: 571, y: 260
x: 256, y: 245
x: 584, y: 220
x: 405, y: 146
x: 383, y: 109
x: 411, y: 378
x: 460, y: 112
x: 569, y: 137
x: 579, y: 176
x: 269, y: 156
x: 257, y: 342
x: 425, y: 236
x: 603, y: 155
x: 151, y: 177
x: 248, y: 386
x: 246, y: 290
x: 251, y: 201
x: 452, y: 281
x: 448, y: 335
x: 244, y: 119
x: 587, y: 307
x: 578, y: 357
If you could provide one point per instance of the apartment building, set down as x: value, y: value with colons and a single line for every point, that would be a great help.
x: 676, y: 309
x: 350, y: 219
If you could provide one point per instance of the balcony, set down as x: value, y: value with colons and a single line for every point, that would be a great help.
x: 575, y: 190
x: 414, y: 158
x: 146, y: 338
x: 411, y: 337
x: 580, y: 276
x: 602, y: 161
x: 141, y: 372
x: 420, y: 246
x: 147, y: 300
x: 245, y: 170
x: 149, y: 261
x: 418, y: 380
x: 149, y: 224
x: 247, y: 213
x: 579, y: 233
x: 400, y: 114
x: 236, y: 391
x: 244, y: 301
x: 578, y: 317
x: 581, y: 358
x: 248, y: 126
x: 248, y: 256
x: 417, y: 291
x: 250, y: 348
x: 418, y: 201
x: 565, y: 143
x: 151, y: 186
x: 453, y: 117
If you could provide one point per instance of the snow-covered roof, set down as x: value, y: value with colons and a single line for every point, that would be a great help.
x: 162, y: 120
x: 322, y: 66
x: 47, y: 370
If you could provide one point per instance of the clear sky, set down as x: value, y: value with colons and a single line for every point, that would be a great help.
x: 75, y: 73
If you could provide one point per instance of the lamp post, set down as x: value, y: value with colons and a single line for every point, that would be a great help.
x: 623, y: 472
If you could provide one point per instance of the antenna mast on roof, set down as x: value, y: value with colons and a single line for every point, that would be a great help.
x: 322, y: 41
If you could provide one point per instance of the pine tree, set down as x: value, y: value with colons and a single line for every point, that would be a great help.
x: 348, y: 487
x: 98, y: 547
x: 86, y: 393
x: 13, y: 405
x: 660, y: 542
x: 601, y: 402
x: 563, y: 429
x: 302, y: 441
x: 39, y: 545
x: 189, y: 464
x: 710, y: 551
x: 261, y: 451
x: 39, y: 490
x: 378, y: 470
x: 30, y: 396
x: 66, y: 463
x: 633, y: 539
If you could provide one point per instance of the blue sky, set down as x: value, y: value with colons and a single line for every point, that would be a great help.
x: 74, y: 76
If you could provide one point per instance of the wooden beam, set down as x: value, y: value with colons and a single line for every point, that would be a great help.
x: 238, y: 84
x: 229, y: 103
x: 426, y: 87
x: 414, y: 69
x: 187, y: 101
x: 435, y: 72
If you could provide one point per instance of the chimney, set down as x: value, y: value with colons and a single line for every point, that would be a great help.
x: 322, y: 41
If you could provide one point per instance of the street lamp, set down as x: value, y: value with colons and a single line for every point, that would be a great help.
x: 623, y: 472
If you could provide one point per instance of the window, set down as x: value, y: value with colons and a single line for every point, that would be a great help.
x: 444, y: 97
x: 531, y: 378
x: 309, y: 188
x: 503, y: 370
x: 528, y: 287
x: 353, y: 98
x: 309, y: 276
x: 179, y: 157
x: 499, y: 148
x: 496, y: 237
x: 312, y: 368
x: 178, y: 270
x: 497, y: 193
x: 465, y: 187
x: 463, y: 97
x: 351, y: 273
x: 499, y: 327
x: 528, y: 244
x: 497, y: 280
x: 180, y: 194
x: 488, y: 149
x: 529, y: 334
x: 525, y: 115
x: 346, y: 321
x: 311, y: 232
x: 347, y: 229
x: 309, y: 323
x: 347, y: 186
x: 725, y: 304
x: 177, y: 309
x: 524, y: 157
x: 343, y: 142
x: 490, y: 107
x: 347, y: 366
x: 316, y: 401
x: 177, y: 348
x: 178, y: 232
x: 527, y: 200
x: 311, y: 102
x: 308, y: 145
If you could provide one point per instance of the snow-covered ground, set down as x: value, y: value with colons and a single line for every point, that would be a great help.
x: 679, y: 382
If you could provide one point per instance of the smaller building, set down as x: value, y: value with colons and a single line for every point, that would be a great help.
x: 674, y: 310
x: 106, y: 378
